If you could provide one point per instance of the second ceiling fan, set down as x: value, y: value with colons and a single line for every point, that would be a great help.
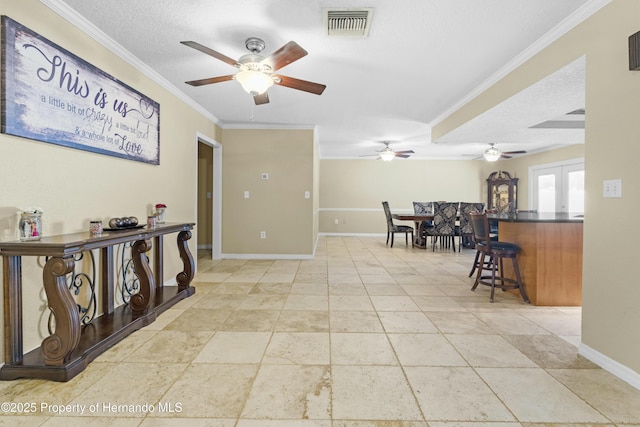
x: 387, y: 153
x: 256, y: 71
x: 492, y: 154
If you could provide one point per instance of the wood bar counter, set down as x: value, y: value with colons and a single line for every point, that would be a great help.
x: 72, y: 345
x: 550, y: 257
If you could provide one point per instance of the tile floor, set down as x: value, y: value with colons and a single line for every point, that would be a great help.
x: 361, y: 336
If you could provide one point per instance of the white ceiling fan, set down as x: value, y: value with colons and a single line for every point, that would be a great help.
x: 492, y: 154
x: 256, y: 72
x: 387, y: 153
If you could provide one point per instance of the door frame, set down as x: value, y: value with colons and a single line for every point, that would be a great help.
x: 562, y: 168
x: 216, y: 197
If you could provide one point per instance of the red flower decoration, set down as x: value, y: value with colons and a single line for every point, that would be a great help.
x: 161, y: 205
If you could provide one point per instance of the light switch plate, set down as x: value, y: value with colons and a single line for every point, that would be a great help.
x: 612, y: 188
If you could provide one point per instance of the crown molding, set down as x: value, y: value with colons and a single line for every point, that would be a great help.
x: 543, y: 42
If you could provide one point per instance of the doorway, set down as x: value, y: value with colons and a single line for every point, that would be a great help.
x: 209, y: 196
x: 557, y: 187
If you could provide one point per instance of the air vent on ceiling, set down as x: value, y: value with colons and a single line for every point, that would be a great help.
x: 348, y: 22
x: 572, y: 120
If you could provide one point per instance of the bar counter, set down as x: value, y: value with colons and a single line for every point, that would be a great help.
x: 550, y: 259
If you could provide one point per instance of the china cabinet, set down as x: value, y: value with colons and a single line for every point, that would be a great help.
x: 502, y: 192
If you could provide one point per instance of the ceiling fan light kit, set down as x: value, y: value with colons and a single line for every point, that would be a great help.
x: 387, y: 154
x: 254, y: 82
x: 492, y: 154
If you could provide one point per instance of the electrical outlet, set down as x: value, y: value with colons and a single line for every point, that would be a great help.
x: 307, y: 194
x: 246, y: 194
x: 263, y: 234
x: 337, y: 221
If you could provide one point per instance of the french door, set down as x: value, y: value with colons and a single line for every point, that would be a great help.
x: 557, y: 187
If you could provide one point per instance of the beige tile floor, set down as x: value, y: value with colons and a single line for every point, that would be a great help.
x: 362, y: 335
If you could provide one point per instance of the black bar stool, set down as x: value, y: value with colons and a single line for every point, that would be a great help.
x: 496, y: 251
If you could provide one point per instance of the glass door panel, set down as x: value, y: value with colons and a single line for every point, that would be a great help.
x: 547, y: 193
x: 558, y: 188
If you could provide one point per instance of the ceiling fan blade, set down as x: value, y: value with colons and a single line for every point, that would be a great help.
x: 404, y: 156
x: 504, y: 156
x: 304, y: 85
x: 284, y: 56
x: 514, y: 152
x: 210, y: 80
x: 260, y: 99
x: 211, y: 52
x: 405, y: 152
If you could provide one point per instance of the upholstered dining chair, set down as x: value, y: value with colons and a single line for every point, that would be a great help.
x: 392, y: 228
x: 496, y: 251
x: 465, y: 231
x: 423, y: 208
x: 444, y: 224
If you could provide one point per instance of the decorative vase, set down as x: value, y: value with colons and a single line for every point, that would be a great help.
x: 30, y: 226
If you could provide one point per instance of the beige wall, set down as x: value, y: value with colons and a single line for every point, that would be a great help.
x: 611, y: 294
x: 276, y: 205
x: 351, y: 191
x: 74, y: 186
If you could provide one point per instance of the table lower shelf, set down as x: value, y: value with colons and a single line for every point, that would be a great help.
x: 97, y: 337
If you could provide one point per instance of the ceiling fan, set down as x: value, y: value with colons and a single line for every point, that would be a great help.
x: 256, y: 71
x: 387, y: 153
x: 492, y: 154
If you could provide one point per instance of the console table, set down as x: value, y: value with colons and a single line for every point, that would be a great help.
x: 72, y: 345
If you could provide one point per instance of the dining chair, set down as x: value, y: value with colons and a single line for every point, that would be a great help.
x: 465, y: 232
x: 423, y: 208
x: 496, y: 251
x: 392, y: 228
x: 444, y: 224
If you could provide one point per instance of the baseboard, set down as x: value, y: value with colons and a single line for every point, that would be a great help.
x: 619, y: 370
x: 205, y: 247
x: 266, y: 256
x: 354, y: 234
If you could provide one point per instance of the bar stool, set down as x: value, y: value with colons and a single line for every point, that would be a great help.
x: 496, y: 251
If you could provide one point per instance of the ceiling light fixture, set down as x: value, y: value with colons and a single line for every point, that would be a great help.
x: 254, y: 82
x: 492, y: 154
x: 387, y: 154
x: 254, y: 76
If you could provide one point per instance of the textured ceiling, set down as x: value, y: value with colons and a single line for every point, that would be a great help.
x: 421, y: 61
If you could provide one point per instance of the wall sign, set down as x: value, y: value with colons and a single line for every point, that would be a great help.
x: 51, y: 95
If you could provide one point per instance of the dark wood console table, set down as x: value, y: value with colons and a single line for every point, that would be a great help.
x: 72, y: 345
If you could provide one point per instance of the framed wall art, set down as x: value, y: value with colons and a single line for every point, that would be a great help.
x: 51, y: 95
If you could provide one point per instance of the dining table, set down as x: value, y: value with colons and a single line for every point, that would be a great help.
x: 420, y: 221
